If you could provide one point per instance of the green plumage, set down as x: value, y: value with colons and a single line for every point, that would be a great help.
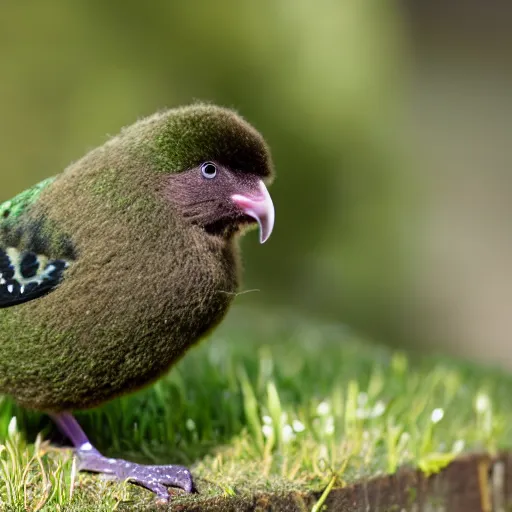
x: 142, y: 285
x: 12, y: 209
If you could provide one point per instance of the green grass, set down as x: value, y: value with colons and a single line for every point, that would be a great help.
x: 267, y: 404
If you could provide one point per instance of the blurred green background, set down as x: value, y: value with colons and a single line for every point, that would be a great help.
x: 390, y: 125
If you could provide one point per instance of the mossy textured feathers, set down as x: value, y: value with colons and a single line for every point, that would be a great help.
x: 191, y: 133
x: 142, y: 284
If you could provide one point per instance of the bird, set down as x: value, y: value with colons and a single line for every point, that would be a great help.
x: 111, y: 270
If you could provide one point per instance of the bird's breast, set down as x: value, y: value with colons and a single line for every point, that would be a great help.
x: 120, y: 319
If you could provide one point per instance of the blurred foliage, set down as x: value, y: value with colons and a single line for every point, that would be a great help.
x: 320, y: 80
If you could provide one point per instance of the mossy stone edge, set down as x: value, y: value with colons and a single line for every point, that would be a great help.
x: 476, y: 482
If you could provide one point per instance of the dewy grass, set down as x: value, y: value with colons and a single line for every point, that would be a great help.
x: 272, y: 404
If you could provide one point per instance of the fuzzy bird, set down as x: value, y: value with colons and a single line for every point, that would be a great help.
x: 113, y: 269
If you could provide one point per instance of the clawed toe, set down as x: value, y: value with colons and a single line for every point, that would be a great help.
x: 155, y: 478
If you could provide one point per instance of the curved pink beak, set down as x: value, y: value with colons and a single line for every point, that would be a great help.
x: 260, y: 207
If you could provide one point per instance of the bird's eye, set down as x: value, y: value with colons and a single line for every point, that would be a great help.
x: 209, y: 170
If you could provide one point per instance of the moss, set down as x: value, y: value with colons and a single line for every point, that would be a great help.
x: 357, y: 406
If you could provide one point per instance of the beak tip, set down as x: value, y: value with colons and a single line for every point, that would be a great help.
x: 265, y: 233
x: 261, y: 209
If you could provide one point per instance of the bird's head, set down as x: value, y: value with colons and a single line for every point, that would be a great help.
x: 214, y: 168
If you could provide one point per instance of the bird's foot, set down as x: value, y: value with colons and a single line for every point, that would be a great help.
x: 154, y: 478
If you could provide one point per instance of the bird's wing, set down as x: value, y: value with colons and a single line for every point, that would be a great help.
x: 26, y: 275
x: 28, y: 266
